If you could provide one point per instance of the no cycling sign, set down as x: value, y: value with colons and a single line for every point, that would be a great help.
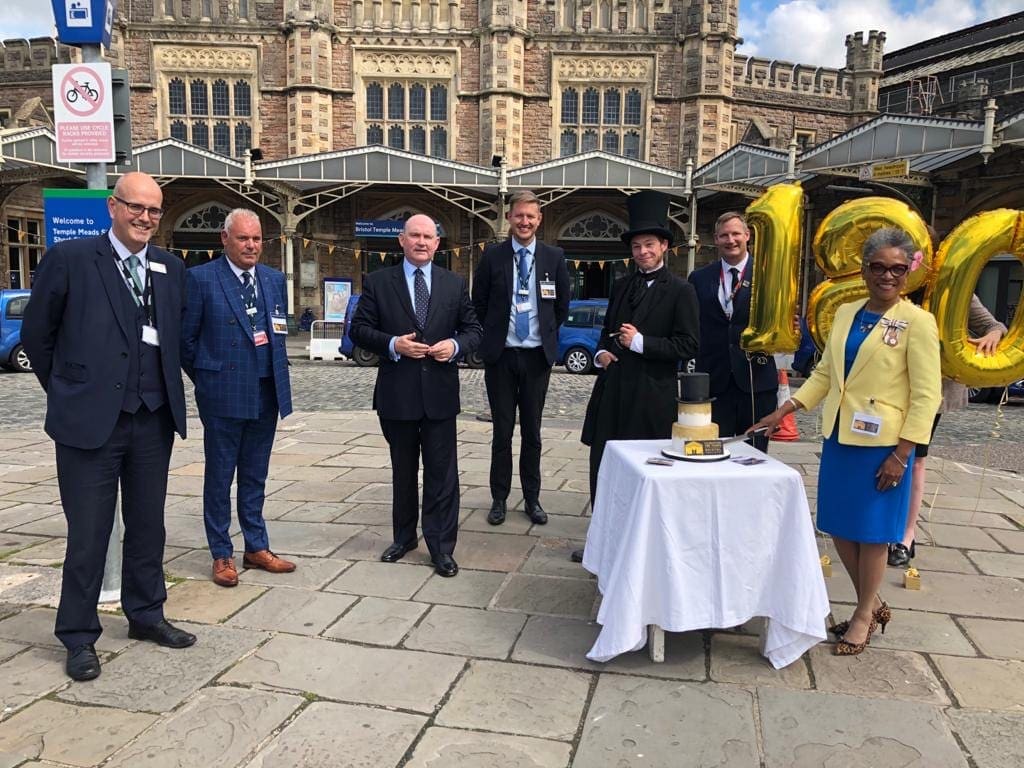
x: 83, y: 113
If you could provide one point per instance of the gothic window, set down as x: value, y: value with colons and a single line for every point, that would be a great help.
x: 396, y: 137
x: 197, y: 96
x: 207, y: 6
x: 633, y: 110
x: 243, y: 99
x: 375, y: 101
x: 606, y: 15
x: 221, y: 103
x: 603, y: 122
x: 222, y: 138
x: 413, y: 111
x: 243, y: 138
x: 179, y: 130
x: 569, y: 14
x: 169, y: 8
x: 176, y: 97
x: 396, y: 102
x: 570, y: 106
x: 201, y: 134
x: 243, y: 9
x: 591, y: 100
x: 208, y: 218
x: 417, y: 102
x: 594, y: 226
x: 641, y: 15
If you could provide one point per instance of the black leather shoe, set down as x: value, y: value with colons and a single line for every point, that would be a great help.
x: 162, y: 633
x: 497, y: 514
x: 576, y: 556
x: 83, y: 663
x: 536, y: 512
x: 445, y: 565
x: 900, y: 555
x: 396, y: 552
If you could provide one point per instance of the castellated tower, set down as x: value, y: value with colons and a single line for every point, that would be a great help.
x: 308, y: 26
x: 709, y: 44
x: 864, y: 62
x: 502, y: 51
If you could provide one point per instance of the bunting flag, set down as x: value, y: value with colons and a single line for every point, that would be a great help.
x: 305, y: 242
x: 600, y: 264
x: 358, y: 253
x: 330, y: 249
x: 283, y: 239
x: 625, y: 262
x: 209, y: 254
x: 382, y: 254
x: 184, y: 253
x: 576, y: 263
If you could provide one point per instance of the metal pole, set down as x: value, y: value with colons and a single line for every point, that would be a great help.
x: 110, y: 591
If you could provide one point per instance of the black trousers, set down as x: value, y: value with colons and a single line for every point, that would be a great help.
x: 518, y: 380
x: 435, y: 440
x: 735, y: 411
x: 136, y: 456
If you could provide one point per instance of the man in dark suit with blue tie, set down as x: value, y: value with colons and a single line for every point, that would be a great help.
x: 744, y: 386
x: 102, y: 330
x: 521, y: 296
x: 233, y: 348
x: 419, y: 319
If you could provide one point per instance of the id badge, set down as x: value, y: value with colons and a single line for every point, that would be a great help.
x: 866, y: 424
x: 150, y: 336
x: 279, y: 324
x: 547, y: 289
x: 259, y: 338
x: 523, y: 306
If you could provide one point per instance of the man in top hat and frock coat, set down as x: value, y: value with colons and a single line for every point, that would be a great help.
x: 650, y: 329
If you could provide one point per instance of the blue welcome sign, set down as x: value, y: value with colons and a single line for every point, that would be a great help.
x: 74, y: 213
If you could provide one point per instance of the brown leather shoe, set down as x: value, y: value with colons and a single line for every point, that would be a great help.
x: 224, y: 572
x: 268, y: 561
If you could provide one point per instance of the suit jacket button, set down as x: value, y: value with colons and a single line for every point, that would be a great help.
x: 234, y: 343
x: 124, y: 354
x: 117, y: 386
x: 231, y: 321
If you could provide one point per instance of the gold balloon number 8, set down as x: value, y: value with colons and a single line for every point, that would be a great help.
x: 949, y: 276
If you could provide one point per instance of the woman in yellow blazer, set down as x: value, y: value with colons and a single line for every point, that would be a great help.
x: 880, y: 382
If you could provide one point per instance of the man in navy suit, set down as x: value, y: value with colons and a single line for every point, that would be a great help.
x: 419, y: 319
x: 102, y: 330
x: 233, y: 348
x: 744, y: 386
x: 521, y: 296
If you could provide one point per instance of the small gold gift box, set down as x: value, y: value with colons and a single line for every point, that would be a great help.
x: 912, y: 579
x: 826, y: 566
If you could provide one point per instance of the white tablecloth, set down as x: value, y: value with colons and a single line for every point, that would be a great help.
x: 702, y: 545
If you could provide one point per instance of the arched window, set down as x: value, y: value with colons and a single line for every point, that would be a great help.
x: 176, y: 97
x: 221, y: 138
x: 243, y: 139
x: 569, y: 14
x: 417, y: 139
x: 417, y: 102
x: 612, y: 106
x: 374, y: 135
x: 201, y: 134
x: 197, y: 95
x: 567, y: 145
x: 169, y: 8
x: 641, y: 15
x: 243, y: 9
x: 207, y: 6
x: 591, y: 110
x: 221, y: 103
x: 396, y: 103
x: 631, y: 145
x: 610, y: 142
x: 632, y: 113
x: 438, y: 141
x: 179, y: 130
x: 589, y: 141
x: 438, y: 103
x: 606, y: 14
x: 396, y: 137
x: 375, y: 101
x: 243, y: 99
x: 570, y: 106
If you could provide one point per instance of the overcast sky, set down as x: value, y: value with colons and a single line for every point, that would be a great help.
x: 804, y: 31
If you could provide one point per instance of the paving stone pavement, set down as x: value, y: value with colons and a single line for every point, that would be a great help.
x: 352, y: 662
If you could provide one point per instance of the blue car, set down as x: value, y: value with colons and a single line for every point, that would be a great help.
x: 995, y: 394
x: 579, y: 334
x: 12, y: 310
x: 361, y: 356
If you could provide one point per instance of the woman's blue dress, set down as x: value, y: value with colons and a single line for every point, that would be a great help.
x: 849, y: 505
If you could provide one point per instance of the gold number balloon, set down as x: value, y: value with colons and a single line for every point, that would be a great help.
x: 961, y: 258
x: 837, y: 250
x: 777, y: 219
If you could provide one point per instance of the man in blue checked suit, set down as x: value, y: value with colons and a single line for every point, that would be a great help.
x: 233, y: 348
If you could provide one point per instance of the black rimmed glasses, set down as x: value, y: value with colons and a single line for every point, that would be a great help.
x: 878, y: 269
x: 137, y: 209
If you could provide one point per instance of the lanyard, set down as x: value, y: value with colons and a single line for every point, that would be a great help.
x: 144, y: 298
x: 735, y: 289
x: 524, y: 282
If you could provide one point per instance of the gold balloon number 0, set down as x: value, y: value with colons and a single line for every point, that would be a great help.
x: 949, y: 276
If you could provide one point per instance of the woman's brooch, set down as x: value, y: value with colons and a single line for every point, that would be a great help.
x: 893, y: 329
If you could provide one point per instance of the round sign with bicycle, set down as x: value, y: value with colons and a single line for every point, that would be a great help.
x: 81, y: 91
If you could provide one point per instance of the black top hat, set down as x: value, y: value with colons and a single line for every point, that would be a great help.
x: 648, y: 215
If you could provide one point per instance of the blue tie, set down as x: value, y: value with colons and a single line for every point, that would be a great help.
x: 419, y: 286
x: 523, y: 318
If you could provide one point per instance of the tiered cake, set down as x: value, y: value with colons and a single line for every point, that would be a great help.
x: 694, y: 434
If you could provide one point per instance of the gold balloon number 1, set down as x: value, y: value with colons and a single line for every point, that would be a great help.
x: 949, y: 276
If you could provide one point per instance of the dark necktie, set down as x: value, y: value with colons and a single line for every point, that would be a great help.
x: 249, y: 297
x: 734, y: 277
x: 523, y: 318
x: 133, y: 271
x: 419, y: 286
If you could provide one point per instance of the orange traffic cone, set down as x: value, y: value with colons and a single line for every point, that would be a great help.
x: 787, y: 431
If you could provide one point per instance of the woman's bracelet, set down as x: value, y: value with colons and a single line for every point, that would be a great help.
x: 796, y: 406
x: 903, y: 463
